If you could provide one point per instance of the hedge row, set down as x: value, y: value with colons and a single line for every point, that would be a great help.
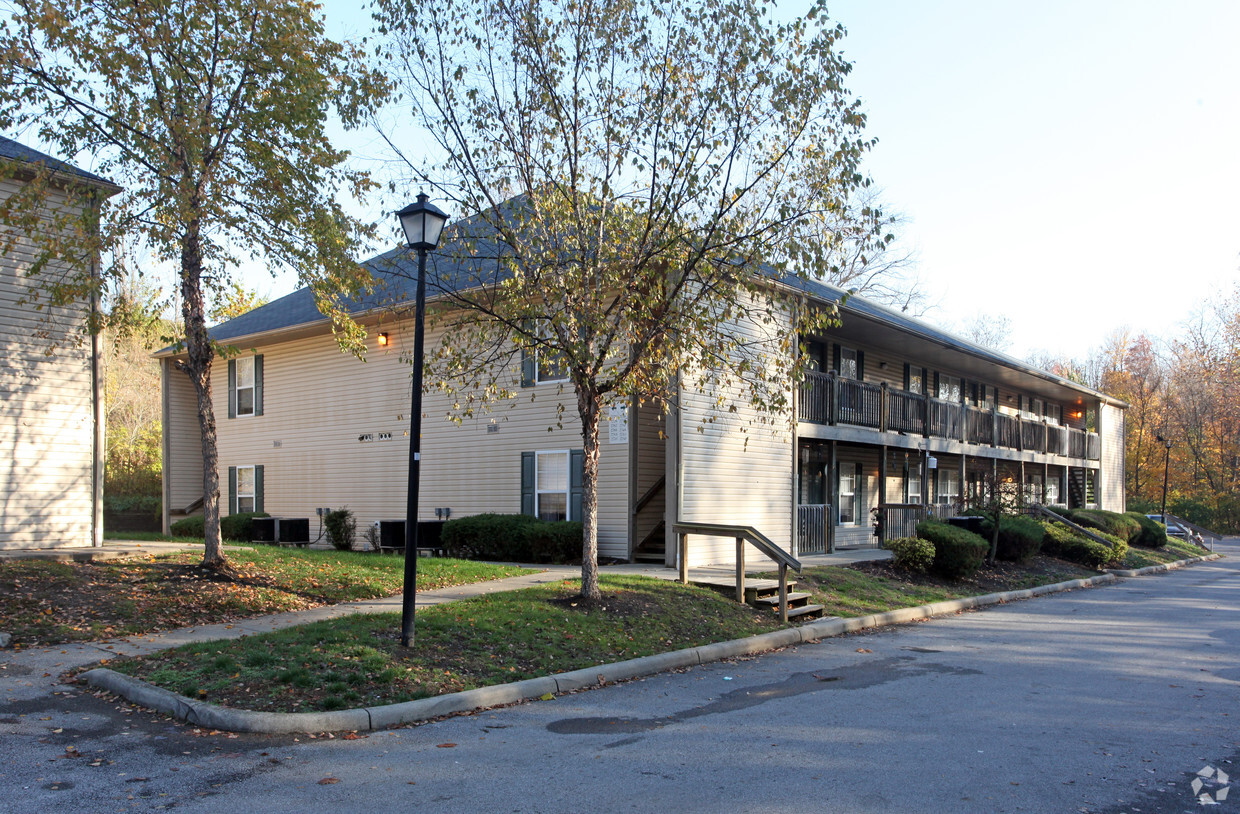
x: 234, y: 527
x: 958, y: 553
x: 512, y: 538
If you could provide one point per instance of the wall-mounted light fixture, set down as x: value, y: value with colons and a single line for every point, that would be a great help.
x: 383, y: 339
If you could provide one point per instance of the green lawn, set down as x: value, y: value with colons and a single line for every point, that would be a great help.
x: 494, y: 639
x: 1174, y: 550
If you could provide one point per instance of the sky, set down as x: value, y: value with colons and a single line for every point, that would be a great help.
x: 1072, y: 165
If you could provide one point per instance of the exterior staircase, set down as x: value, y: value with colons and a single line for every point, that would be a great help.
x: 764, y: 594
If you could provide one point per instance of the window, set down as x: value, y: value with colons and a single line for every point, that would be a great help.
x: 1053, y: 491
x: 1033, y: 488
x: 850, y: 492
x: 912, y: 483
x: 915, y: 379
x: 245, y: 489
x: 849, y: 369
x: 984, y: 396
x: 551, y: 484
x: 245, y: 386
x: 542, y: 365
x: 949, y: 388
x: 948, y: 493
x: 1054, y: 413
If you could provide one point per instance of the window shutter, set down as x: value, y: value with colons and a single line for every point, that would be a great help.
x: 908, y: 376
x: 860, y: 365
x: 527, y: 483
x: 835, y: 363
x: 937, y: 394
x: 527, y: 368
x: 232, y: 486
x: 258, y: 386
x: 859, y: 497
x: 232, y: 388
x: 258, y: 486
x: 576, y: 483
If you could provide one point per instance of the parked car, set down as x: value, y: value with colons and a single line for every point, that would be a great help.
x: 1173, y: 529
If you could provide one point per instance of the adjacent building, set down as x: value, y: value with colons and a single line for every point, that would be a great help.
x: 51, y: 421
x: 896, y: 419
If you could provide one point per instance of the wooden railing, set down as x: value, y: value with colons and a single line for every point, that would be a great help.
x: 860, y: 403
x: 906, y: 412
x: 896, y: 520
x: 742, y: 535
x: 946, y: 418
x: 829, y: 399
x: 980, y: 426
x: 812, y: 528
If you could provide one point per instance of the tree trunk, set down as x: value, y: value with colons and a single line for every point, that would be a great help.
x: 589, y: 409
x: 200, y: 354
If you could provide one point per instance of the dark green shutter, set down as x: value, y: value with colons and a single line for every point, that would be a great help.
x: 908, y: 377
x: 860, y: 365
x: 527, y: 369
x: 232, y: 490
x: 232, y: 388
x: 576, y: 483
x: 527, y: 483
x: 258, y: 386
x: 859, y: 497
x: 936, y: 392
x: 258, y: 487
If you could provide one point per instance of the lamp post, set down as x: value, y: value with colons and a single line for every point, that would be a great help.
x: 422, y: 222
x: 1166, y: 468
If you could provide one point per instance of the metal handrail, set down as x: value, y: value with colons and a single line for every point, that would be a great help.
x: 742, y: 535
x: 1038, y: 508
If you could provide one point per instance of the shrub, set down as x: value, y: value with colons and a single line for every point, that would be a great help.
x: 512, y: 537
x: 912, y: 554
x: 146, y: 504
x: 235, y: 527
x: 1153, y: 534
x: 1061, y: 541
x: 191, y: 526
x: 957, y: 553
x: 341, y: 529
x: 1120, y: 525
x: 1020, y: 538
x: 1119, y: 547
x: 238, y: 528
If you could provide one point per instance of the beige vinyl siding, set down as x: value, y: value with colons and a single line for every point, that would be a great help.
x: 47, y: 439
x: 321, y: 439
x: 1111, y: 471
x: 182, y: 444
x: 737, y: 468
x: 868, y: 457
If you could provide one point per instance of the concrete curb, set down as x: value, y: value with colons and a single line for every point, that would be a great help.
x: 201, y: 713
x: 1158, y: 569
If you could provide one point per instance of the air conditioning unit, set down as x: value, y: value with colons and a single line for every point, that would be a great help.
x: 294, y: 529
x: 392, y: 534
x: 264, y: 529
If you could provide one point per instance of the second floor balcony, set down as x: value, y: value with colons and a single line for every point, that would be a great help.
x: 828, y: 399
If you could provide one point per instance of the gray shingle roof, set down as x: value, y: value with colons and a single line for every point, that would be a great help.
x: 396, y: 272
x: 15, y: 151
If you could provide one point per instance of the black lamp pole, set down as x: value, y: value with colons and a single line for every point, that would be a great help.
x: 1166, y: 470
x: 422, y: 223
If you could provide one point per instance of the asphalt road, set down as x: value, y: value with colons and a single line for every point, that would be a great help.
x: 1108, y: 699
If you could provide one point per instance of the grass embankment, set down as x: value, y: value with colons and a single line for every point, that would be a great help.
x: 1174, y: 551
x: 493, y: 639
x: 55, y: 602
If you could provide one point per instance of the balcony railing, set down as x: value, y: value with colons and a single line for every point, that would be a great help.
x: 829, y: 399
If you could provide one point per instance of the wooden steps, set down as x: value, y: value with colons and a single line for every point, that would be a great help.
x: 764, y: 593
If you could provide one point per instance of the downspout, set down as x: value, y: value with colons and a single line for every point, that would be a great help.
x: 165, y: 367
